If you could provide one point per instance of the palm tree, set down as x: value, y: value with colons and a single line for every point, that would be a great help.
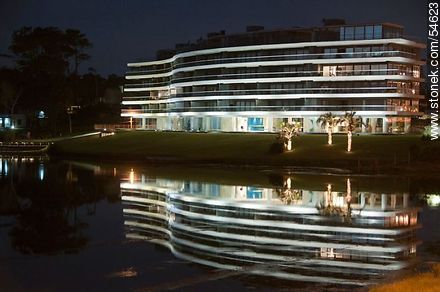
x: 327, y: 122
x: 287, y: 132
x: 350, y: 123
x: 328, y: 208
x: 289, y: 196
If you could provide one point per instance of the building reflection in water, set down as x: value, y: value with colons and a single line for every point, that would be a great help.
x: 9, y: 163
x: 323, y: 236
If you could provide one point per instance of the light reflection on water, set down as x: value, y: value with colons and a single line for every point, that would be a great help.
x: 328, y: 236
x: 308, y: 228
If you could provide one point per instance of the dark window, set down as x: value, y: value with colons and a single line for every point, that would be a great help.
x: 341, y: 33
x: 357, y: 69
x: 369, y: 32
x: 378, y: 31
x: 349, y: 33
x: 359, y: 33
x: 330, y: 52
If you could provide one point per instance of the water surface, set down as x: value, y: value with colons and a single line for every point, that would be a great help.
x: 69, y: 225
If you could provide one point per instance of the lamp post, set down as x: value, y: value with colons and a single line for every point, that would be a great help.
x: 70, y: 111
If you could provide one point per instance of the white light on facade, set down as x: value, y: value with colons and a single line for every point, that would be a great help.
x: 131, y: 176
x: 41, y: 172
x: 433, y: 200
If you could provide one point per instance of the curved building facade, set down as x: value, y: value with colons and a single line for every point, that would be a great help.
x: 256, y: 80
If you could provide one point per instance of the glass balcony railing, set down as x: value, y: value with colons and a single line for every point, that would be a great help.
x: 232, y: 93
x: 276, y: 108
x: 290, y: 74
x: 288, y: 91
x: 174, y: 80
x: 176, y: 64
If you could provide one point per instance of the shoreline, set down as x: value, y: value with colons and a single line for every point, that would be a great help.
x: 416, y: 171
x: 372, y: 155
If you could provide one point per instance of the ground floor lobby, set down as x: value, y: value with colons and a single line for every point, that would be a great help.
x: 383, y: 124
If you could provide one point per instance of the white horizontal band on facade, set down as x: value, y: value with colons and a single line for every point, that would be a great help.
x: 274, y: 114
x: 272, y: 97
x: 272, y: 90
x: 281, y: 63
x: 134, y: 199
x: 288, y: 209
x: 289, y: 225
x: 281, y: 259
x: 266, y: 272
x: 399, y: 41
x: 391, y: 265
x: 188, y: 199
x: 144, y: 213
x: 146, y: 88
x: 310, y: 56
x: 141, y: 186
x: 311, y: 261
x: 147, y: 226
x: 139, y: 77
x: 280, y: 80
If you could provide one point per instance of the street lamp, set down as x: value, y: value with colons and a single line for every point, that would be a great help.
x: 70, y: 111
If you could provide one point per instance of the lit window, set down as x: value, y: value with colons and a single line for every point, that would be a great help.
x: 329, y: 70
x: 7, y: 122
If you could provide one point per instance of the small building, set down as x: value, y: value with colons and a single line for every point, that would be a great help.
x: 12, y: 121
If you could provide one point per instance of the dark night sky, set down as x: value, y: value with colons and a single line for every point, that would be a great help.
x: 126, y: 31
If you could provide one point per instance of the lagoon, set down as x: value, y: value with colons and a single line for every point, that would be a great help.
x: 79, y: 225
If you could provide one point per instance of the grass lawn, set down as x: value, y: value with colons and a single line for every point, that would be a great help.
x: 429, y: 281
x: 308, y: 150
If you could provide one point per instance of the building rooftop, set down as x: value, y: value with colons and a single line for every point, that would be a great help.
x: 256, y: 35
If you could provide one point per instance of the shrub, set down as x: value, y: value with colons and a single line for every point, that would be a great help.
x: 7, y: 135
x: 276, y: 147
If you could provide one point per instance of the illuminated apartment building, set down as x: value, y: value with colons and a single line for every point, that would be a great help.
x: 255, y: 80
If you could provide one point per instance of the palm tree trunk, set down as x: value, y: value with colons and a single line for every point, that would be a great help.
x: 289, y: 145
x: 349, y: 138
x: 329, y: 132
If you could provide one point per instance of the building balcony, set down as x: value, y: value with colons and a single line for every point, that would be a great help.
x: 351, y: 55
x: 299, y: 108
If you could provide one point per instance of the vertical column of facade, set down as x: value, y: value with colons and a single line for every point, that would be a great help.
x: 385, y: 125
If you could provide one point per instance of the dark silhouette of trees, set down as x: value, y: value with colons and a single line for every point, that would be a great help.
x: 43, y: 56
x: 49, y: 214
x: 78, y: 43
x: 49, y: 50
x: 11, y: 90
x: 46, y: 78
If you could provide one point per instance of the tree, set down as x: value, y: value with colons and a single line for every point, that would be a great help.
x: 286, y: 194
x: 328, y: 122
x: 77, y: 43
x: 10, y: 90
x: 43, y: 57
x: 350, y: 122
x: 39, y: 50
x: 49, y: 49
x: 287, y: 132
x: 344, y: 210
